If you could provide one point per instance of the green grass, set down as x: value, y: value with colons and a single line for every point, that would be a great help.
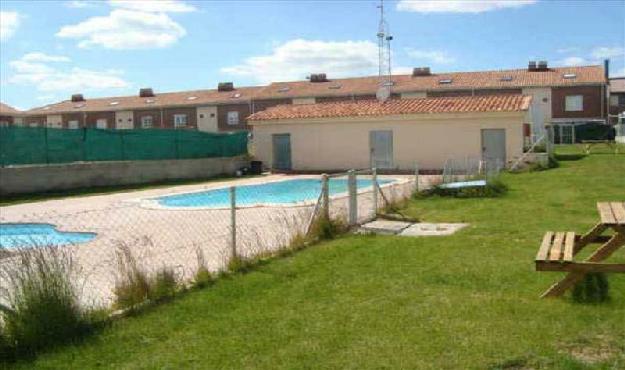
x: 7, y: 200
x: 466, y: 301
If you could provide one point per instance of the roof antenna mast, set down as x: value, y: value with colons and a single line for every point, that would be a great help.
x: 384, y: 56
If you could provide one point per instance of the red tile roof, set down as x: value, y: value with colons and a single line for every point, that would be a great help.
x: 489, y: 103
x: 8, y: 110
x: 515, y: 78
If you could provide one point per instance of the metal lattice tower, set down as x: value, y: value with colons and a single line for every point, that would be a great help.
x: 384, y: 49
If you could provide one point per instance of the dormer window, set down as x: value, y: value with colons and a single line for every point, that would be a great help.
x: 445, y: 81
x: 569, y: 76
x: 191, y: 97
x: 149, y: 101
x: 506, y: 78
x: 334, y: 87
x: 284, y: 89
x: 114, y: 103
x: 236, y: 95
x: 79, y: 106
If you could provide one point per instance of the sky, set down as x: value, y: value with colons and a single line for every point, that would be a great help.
x: 52, y: 49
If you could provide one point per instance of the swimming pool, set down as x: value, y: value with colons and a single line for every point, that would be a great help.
x: 277, y: 192
x: 14, y: 235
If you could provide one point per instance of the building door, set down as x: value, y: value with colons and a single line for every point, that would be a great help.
x: 494, y: 148
x: 381, y: 148
x: 281, y: 151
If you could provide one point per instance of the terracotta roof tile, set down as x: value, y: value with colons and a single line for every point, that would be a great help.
x: 8, y: 110
x: 515, y: 78
x: 490, y: 103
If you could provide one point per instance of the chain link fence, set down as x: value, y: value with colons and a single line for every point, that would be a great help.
x: 183, y: 232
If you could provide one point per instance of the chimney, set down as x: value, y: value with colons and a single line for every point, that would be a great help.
x: 421, y: 71
x: 606, y: 69
x: 531, y: 66
x: 318, y: 77
x: 146, y: 92
x: 542, y: 65
x: 225, y: 86
x: 77, y: 98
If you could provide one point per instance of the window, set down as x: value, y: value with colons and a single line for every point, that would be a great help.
x: 180, y: 120
x: 233, y: 118
x: 101, y: 123
x: 72, y: 124
x: 574, y: 103
x: 4, y: 123
x: 33, y: 124
x: 621, y: 99
x: 146, y: 122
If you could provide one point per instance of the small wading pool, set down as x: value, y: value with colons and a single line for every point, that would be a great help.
x: 278, y: 192
x: 16, y: 235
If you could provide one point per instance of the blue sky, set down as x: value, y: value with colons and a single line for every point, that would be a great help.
x: 51, y: 49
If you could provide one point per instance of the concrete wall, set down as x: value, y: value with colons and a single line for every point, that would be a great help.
x: 343, y: 143
x: 57, y: 177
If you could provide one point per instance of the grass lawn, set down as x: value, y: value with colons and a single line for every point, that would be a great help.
x: 467, y: 301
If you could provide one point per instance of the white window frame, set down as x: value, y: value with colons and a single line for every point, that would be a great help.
x: 101, y: 123
x: 574, y: 103
x: 180, y: 120
x: 147, y: 121
x: 73, y: 124
x: 233, y: 118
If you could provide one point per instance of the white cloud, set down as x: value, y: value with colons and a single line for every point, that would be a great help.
x: 298, y: 58
x: 432, y: 56
x: 574, y: 61
x: 130, y: 25
x: 154, y: 6
x: 39, y: 70
x: 604, y: 52
x: 125, y: 29
x: 42, y: 57
x: 79, y: 4
x: 9, y: 21
x: 459, y: 6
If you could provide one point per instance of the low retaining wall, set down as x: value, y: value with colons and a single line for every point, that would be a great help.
x: 67, y: 176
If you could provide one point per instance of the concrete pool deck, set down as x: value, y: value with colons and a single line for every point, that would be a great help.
x: 172, y: 237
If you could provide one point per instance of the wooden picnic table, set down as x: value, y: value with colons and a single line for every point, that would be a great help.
x: 590, y: 143
x: 558, y: 249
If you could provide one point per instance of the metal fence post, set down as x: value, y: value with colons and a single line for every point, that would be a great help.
x: 353, y: 205
x: 374, y: 182
x: 233, y: 222
x: 416, y: 176
x: 325, y: 196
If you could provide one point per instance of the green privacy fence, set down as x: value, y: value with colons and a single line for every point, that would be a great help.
x: 33, y: 145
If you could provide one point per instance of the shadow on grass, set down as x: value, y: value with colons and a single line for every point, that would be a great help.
x: 570, y: 157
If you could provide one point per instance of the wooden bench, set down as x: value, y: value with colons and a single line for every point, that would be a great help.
x: 558, y: 249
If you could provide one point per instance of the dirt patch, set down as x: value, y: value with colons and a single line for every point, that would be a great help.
x: 593, y: 350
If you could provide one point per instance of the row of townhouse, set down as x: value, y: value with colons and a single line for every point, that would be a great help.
x: 565, y: 95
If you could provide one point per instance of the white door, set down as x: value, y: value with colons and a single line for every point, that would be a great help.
x: 381, y: 148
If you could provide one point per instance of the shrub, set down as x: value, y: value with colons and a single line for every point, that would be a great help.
x: 241, y: 264
x: 44, y: 309
x: 163, y: 286
x: 325, y: 228
x: 594, y: 288
x: 494, y: 188
x: 132, y: 286
x: 203, y: 277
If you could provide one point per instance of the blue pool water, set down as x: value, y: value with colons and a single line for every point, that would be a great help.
x: 37, y: 235
x: 464, y: 184
x: 283, y: 192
